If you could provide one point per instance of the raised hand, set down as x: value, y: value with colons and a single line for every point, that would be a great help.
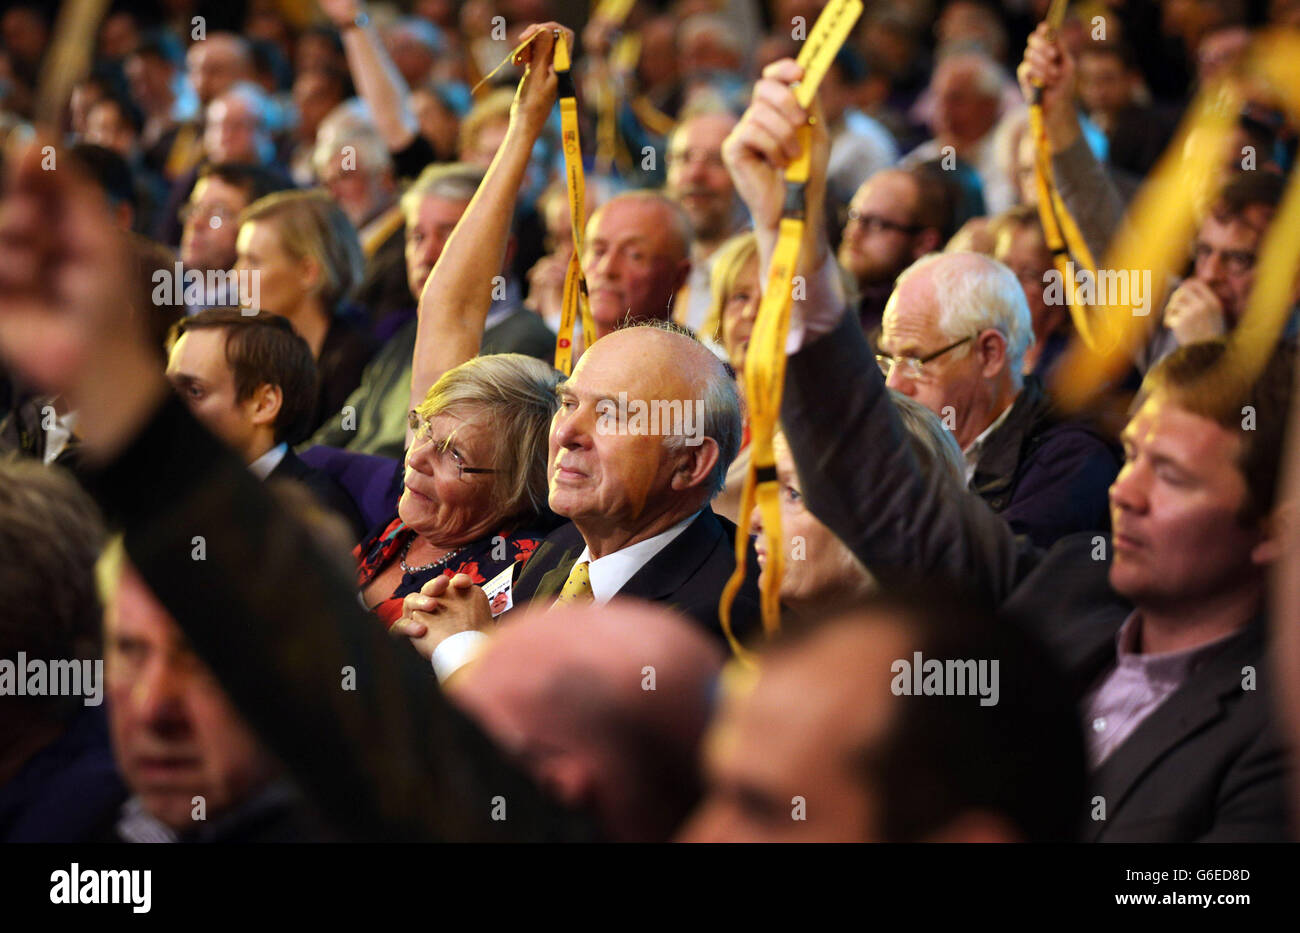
x: 536, y: 94
x: 1048, y: 70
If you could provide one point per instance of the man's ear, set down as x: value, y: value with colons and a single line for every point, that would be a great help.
x: 1277, y: 528
x: 264, y: 405
x: 992, y: 349
x: 695, y: 462
x: 682, y: 274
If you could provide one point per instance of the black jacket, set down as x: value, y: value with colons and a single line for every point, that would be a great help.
x: 1046, y: 476
x: 329, y: 493
x: 1206, y: 765
x: 688, y: 575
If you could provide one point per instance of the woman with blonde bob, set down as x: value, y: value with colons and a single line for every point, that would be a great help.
x: 474, y: 486
x: 305, y: 258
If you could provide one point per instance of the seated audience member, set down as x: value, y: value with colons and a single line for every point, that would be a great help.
x: 351, y: 160
x: 968, y: 91
x: 698, y: 181
x: 736, y: 295
x: 565, y: 693
x: 1019, y: 245
x: 305, y: 255
x: 955, y: 334
x: 829, y: 743
x: 250, y: 380
x: 474, y: 488
x: 895, y: 218
x: 1109, y: 87
x: 208, y: 220
x: 1211, y: 301
x: 821, y: 576
x: 1174, y: 604
x: 196, y: 771
x: 432, y: 206
x: 637, y: 492
x: 57, y: 777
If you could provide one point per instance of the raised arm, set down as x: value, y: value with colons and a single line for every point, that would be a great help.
x: 377, y: 79
x: 458, y: 293
x: 858, y: 471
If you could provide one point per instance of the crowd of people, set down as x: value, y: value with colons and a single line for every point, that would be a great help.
x: 290, y: 481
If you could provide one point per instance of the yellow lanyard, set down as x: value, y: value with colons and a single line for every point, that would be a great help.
x: 765, y: 361
x: 575, y: 306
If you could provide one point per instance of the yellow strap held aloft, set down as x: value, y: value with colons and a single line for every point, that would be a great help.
x: 575, y: 306
x: 764, y: 373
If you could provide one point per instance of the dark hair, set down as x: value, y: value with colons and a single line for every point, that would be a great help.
x: 50, y: 536
x: 1246, y: 190
x: 125, y: 108
x: 936, y: 200
x: 255, y: 181
x: 264, y: 349
x: 108, y: 170
x: 1021, y: 759
x: 1205, y: 379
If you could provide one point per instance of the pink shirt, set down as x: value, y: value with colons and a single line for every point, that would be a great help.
x: 1131, y: 690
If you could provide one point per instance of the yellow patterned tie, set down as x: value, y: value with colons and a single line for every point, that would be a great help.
x: 577, y: 588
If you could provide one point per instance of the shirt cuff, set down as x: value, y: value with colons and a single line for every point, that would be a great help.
x: 455, y: 651
x: 821, y: 308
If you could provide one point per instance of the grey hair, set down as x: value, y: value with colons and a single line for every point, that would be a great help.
x: 930, y: 440
x: 456, y: 181
x: 975, y: 292
x: 515, y: 394
x: 346, y: 125
x: 723, y: 421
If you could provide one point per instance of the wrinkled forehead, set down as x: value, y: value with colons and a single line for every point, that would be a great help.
x: 644, y: 362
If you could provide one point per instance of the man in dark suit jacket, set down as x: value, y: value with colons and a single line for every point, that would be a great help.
x: 251, y: 380
x: 648, y: 424
x: 1159, y: 628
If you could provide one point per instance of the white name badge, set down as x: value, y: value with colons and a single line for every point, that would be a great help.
x: 499, y: 591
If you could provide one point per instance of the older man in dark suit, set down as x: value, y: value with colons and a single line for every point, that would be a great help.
x: 1160, y: 628
x: 647, y: 425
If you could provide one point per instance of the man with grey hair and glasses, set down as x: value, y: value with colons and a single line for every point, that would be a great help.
x: 954, y: 337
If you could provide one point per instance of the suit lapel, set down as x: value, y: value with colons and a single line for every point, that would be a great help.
x: 1194, y: 705
x: 667, y: 572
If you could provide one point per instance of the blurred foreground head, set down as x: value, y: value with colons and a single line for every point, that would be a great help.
x: 830, y: 742
x: 604, y: 707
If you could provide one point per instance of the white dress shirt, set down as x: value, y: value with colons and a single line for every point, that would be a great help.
x: 263, y: 465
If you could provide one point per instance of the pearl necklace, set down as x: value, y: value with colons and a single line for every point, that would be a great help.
x: 426, y: 567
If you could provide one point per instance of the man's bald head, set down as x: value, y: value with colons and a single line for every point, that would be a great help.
x: 604, y: 706
x: 218, y: 63
x: 635, y: 257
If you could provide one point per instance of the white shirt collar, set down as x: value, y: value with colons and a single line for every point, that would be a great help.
x: 973, y: 450
x: 264, y: 464
x: 610, y: 573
